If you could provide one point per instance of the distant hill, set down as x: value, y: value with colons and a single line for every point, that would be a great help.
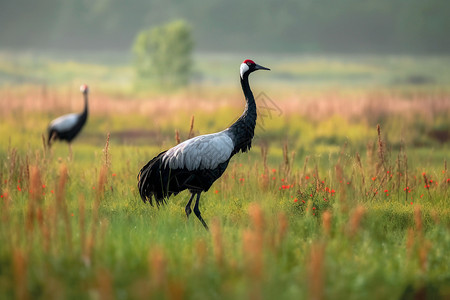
x: 337, y: 26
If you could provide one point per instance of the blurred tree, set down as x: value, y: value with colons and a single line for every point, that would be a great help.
x: 164, y: 54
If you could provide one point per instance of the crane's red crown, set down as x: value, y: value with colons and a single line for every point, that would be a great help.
x: 247, y: 61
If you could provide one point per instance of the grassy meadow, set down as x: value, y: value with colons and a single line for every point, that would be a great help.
x: 344, y: 195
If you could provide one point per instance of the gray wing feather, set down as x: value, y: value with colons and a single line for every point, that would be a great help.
x: 202, y: 152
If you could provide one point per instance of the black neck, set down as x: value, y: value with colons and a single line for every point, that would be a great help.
x: 243, y: 129
x: 85, y: 111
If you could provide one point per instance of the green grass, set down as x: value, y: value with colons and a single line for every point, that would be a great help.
x: 313, y: 221
x: 396, y: 248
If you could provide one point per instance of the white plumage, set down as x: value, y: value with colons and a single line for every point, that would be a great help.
x: 65, y: 122
x: 202, y: 152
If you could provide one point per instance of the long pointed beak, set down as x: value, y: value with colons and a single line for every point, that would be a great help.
x: 258, y: 67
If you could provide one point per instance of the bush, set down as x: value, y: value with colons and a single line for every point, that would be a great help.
x: 163, y: 54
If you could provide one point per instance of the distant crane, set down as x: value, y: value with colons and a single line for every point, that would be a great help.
x: 196, y: 163
x: 68, y: 126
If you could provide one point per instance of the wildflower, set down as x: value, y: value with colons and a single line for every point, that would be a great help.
x: 52, y: 192
x: 113, y: 174
x: 72, y: 214
x: 423, y: 174
x: 314, y: 208
x: 373, y: 178
x: 306, y: 177
x: 411, y: 203
x: 385, y: 191
x: 273, y: 178
x: 283, y: 187
x: 216, y: 192
x: 241, y: 179
x: 295, y: 200
x: 282, y: 179
x: 274, y: 170
x: 333, y: 191
x: 19, y: 189
x: 43, y: 186
x: 310, y: 195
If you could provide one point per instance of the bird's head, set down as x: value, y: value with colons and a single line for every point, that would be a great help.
x: 249, y: 66
x: 84, y: 89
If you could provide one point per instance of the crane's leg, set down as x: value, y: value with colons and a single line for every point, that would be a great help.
x: 70, y: 152
x: 197, y: 212
x: 188, y: 206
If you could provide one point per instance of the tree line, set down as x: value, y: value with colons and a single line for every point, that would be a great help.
x: 337, y: 26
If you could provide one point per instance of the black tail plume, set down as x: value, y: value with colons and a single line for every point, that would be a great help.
x: 151, y: 183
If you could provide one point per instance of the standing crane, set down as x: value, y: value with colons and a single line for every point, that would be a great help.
x: 68, y: 126
x: 196, y: 163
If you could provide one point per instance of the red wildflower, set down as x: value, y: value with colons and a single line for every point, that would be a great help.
x: 19, y: 189
x: 295, y: 200
x: 282, y: 179
x: 385, y: 191
x: 241, y: 179
x: 113, y: 174
x: 273, y: 178
x: 274, y: 170
x: 373, y: 178
x: 306, y: 177
x: 216, y: 192
x: 314, y: 208
x: 43, y: 186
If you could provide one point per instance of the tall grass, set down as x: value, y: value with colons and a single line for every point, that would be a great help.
x: 307, y: 231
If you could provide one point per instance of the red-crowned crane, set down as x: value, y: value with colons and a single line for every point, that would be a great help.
x: 68, y: 126
x: 196, y: 163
